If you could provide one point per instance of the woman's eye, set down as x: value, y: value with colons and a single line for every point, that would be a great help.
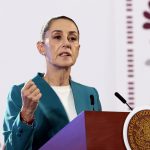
x: 58, y: 37
x: 73, y: 38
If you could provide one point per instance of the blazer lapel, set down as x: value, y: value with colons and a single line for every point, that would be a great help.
x: 78, y: 97
x: 49, y: 101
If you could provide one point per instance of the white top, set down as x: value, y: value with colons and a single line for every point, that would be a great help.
x: 66, y: 97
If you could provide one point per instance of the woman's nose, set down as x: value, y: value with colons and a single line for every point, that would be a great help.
x: 65, y: 40
x: 66, y: 43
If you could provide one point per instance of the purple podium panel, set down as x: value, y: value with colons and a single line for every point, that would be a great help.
x: 71, y: 137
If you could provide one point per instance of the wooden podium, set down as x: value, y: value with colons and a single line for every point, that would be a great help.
x: 91, y: 131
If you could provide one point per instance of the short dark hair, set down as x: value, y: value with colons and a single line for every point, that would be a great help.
x: 49, y: 23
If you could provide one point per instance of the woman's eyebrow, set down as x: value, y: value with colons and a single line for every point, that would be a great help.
x: 72, y: 32
x: 59, y: 31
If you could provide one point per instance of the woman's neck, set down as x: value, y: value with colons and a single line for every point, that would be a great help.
x: 57, y: 77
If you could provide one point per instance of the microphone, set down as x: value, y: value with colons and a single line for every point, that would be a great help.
x: 92, y: 101
x: 122, y: 99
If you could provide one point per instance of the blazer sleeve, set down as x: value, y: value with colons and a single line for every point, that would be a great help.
x: 17, y: 135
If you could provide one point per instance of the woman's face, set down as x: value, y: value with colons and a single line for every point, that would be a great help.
x: 61, y: 44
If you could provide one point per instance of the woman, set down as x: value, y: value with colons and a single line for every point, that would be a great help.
x: 38, y: 109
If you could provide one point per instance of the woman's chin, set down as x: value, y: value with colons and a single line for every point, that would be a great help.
x: 64, y: 65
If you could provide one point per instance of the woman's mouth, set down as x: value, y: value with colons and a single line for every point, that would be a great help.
x: 62, y: 54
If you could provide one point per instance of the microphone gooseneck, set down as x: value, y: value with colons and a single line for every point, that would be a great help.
x: 122, y: 100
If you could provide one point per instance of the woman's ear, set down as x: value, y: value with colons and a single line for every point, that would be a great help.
x: 79, y: 46
x: 40, y: 47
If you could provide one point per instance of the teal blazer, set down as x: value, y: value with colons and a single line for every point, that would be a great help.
x: 50, y: 115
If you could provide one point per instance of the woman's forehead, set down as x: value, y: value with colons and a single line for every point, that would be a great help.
x: 63, y: 25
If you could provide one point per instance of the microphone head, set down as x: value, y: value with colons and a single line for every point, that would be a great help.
x: 120, y: 97
x: 92, y: 99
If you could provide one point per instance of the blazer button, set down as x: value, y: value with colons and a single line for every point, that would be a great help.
x: 18, y: 134
x: 20, y: 130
